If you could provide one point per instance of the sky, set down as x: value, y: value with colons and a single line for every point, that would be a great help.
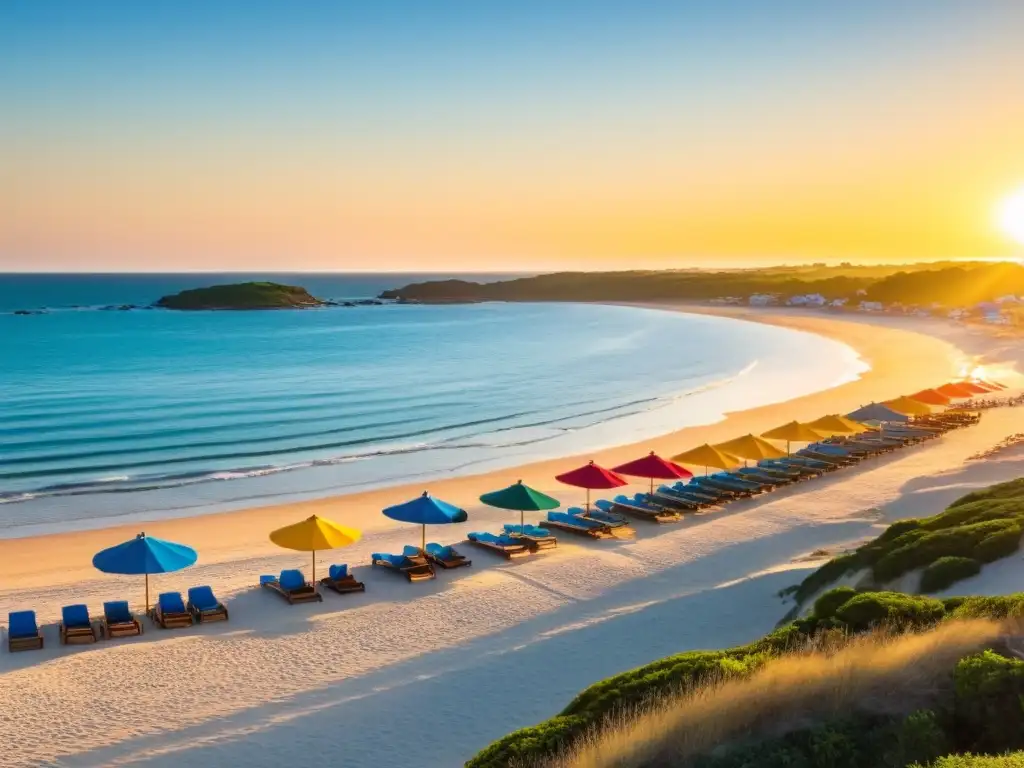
x: 456, y: 136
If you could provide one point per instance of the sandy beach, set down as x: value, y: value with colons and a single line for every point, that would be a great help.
x: 447, y: 666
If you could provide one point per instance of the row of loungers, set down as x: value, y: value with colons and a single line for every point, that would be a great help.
x: 76, y: 626
x: 669, y: 502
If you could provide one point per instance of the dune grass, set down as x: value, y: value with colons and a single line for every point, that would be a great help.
x: 619, y: 698
x: 881, y: 673
x: 1010, y: 760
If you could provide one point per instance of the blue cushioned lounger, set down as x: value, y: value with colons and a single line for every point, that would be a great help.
x: 643, y: 508
x: 205, y: 606
x: 414, y: 569
x: 446, y: 556
x: 579, y: 525
x: 505, y: 545
x: 170, y: 611
x: 22, y: 631
x: 119, y: 621
x: 535, y: 537
x: 339, y: 580
x: 75, y: 625
x: 293, y: 587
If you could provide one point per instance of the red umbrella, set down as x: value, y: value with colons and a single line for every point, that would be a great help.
x: 592, y: 476
x: 931, y: 397
x: 977, y: 387
x: 956, y: 390
x: 993, y: 384
x: 654, y: 467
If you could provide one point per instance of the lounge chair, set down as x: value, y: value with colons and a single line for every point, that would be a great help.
x: 418, y: 569
x: 535, y: 537
x: 341, y: 581
x: 508, y: 547
x: 602, y: 513
x: 642, y: 508
x: 23, y: 633
x: 446, y: 556
x: 170, y: 611
x: 75, y: 625
x: 204, y: 606
x: 293, y: 587
x: 579, y: 525
x: 119, y: 621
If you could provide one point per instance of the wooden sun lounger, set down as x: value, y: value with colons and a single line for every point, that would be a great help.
x: 651, y: 515
x: 508, y: 551
x: 169, y: 620
x: 305, y: 594
x: 112, y: 629
x: 75, y: 635
x: 455, y: 561
x: 680, y: 502
x: 595, y: 533
x: 27, y: 634
x: 416, y: 571
x: 343, y: 586
x: 536, y: 543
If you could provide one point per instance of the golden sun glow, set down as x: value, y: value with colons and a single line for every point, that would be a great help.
x: 1011, y: 216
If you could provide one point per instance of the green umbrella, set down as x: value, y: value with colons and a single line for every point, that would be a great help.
x: 520, y: 497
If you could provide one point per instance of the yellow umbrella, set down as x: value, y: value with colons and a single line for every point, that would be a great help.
x: 794, y: 432
x: 751, y: 447
x: 315, y: 533
x: 834, y: 424
x: 909, y: 406
x: 708, y: 456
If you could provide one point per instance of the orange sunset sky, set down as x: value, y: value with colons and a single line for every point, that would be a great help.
x: 592, y: 136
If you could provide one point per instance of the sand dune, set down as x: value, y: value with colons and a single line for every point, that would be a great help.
x: 442, y: 668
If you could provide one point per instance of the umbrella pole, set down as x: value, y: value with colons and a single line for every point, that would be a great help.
x: 651, y: 492
x: 423, y: 541
x: 588, y: 501
x: 147, y: 593
x: 522, y: 521
x: 314, y: 566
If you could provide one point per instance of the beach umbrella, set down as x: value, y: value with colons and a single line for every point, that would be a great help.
x: 315, y: 533
x: 931, y: 397
x: 956, y: 390
x: 975, y: 387
x: 521, y: 498
x: 876, y: 412
x: 750, y: 447
x: 145, y: 555
x: 993, y: 384
x: 794, y: 432
x: 425, y: 510
x: 708, y: 456
x: 592, y: 477
x: 909, y: 406
x: 653, y: 467
x: 834, y: 424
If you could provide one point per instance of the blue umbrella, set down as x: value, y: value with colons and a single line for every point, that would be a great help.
x: 145, y: 554
x: 877, y: 412
x: 426, y: 510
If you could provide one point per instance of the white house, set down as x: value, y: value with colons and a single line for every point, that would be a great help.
x: 763, y: 300
x: 870, y: 306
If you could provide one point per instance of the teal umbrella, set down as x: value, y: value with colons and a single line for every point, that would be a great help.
x: 521, y: 498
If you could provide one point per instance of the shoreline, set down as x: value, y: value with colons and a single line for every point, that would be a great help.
x: 901, y: 360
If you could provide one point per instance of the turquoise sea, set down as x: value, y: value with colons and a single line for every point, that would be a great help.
x: 110, y: 415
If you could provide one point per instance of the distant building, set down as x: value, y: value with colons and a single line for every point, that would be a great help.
x: 808, y: 300
x: 870, y: 306
x: 763, y: 300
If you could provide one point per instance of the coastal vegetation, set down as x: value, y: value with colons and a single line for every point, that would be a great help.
x: 947, y: 283
x: 253, y: 295
x: 978, y: 528
x: 867, y: 677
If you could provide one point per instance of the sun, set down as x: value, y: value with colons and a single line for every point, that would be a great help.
x: 1011, y: 216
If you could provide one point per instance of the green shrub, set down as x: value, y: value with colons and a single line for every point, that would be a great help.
x: 946, y: 571
x: 998, y: 545
x: 896, y: 609
x: 826, y: 605
x: 989, y: 702
x: 997, y: 607
x: 827, y: 574
x: 1008, y: 490
x: 1010, y: 760
x: 953, y: 542
x: 545, y: 739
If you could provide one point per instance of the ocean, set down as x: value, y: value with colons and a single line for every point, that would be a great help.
x: 109, y: 416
